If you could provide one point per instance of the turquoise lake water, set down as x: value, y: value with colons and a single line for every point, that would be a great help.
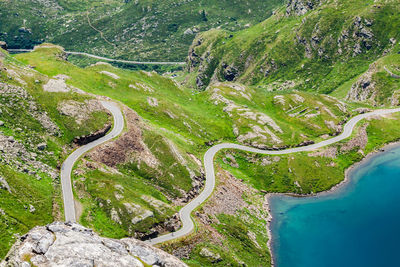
x: 358, y: 225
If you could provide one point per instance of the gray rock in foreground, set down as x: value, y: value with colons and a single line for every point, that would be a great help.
x: 70, y: 244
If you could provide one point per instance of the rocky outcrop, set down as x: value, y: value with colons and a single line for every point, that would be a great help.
x: 80, y: 111
x: 359, y: 141
x: 3, y: 45
x: 230, y: 73
x: 202, y: 60
x: 193, y: 58
x: 58, y: 84
x: 70, y: 244
x: 301, y: 7
x: 4, y: 185
x: 357, y: 38
x: 24, y: 154
x: 83, y: 140
x: 364, y: 88
x: 19, y: 98
x: 170, y: 225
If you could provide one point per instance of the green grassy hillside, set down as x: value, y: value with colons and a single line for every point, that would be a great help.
x: 134, y: 185
x: 140, y: 30
x: 317, y: 50
x: 291, y: 80
x: 34, y: 139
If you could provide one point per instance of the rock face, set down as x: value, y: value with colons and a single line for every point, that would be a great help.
x: 70, y: 244
x: 364, y: 88
x: 83, y: 140
x: 301, y: 7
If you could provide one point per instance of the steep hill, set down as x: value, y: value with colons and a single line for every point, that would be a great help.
x: 134, y: 185
x: 292, y: 80
x: 308, y: 45
x: 140, y: 30
x: 34, y: 138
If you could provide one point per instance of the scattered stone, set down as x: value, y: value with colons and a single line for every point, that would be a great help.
x: 129, y: 145
x: 153, y: 102
x: 227, y: 198
x: 13, y: 152
x: 188, y: 32
x: 360, y: 140
x: 110, y: 74
x: 80, y: 111
x: 329, y: 152
x: 32, y: 209
x: 42, y: 146
x: 13, y: 92
x: 4, y: 184
x: 205, y: 252
x: 362, y: 110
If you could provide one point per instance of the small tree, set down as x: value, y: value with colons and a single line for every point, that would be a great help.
x: 203, y: 15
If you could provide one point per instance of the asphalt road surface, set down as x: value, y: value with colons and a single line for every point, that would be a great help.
x: 66, y: 169
x: 106, y: 59
x: 186, y: 211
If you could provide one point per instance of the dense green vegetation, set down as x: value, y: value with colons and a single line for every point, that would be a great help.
x: 305, y: 74
x: 192, y: 116
x: 305, y: 174
x: 192, y: 121
x: 301, y: 173
x: 33, y: 197
x: 15, y: 215
x: 319, y: 51
x: 145, y: 29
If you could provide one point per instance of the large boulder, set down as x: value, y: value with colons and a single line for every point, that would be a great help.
x: 70, y: 244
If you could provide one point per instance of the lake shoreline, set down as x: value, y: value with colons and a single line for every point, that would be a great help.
x: 340, y: 186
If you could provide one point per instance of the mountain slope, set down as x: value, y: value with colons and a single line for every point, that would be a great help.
x: 139, y: 30
x: 134, y: 185
x: 34, y: 138
x: 315, y: 47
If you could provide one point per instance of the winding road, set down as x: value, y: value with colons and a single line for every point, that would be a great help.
x: 66, y: 168
x: 105, y: 58
x: 185, y: 212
